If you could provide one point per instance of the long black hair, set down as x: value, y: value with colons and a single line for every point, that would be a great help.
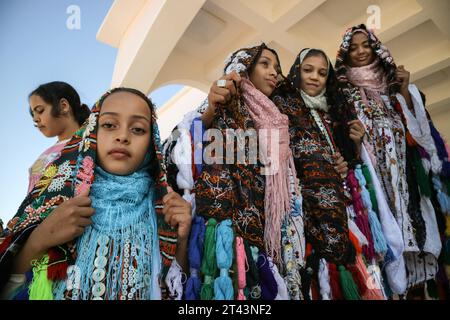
x: 53, y: 92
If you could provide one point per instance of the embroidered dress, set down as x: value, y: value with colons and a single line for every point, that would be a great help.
x: 40, y: 166
x: 390, y: 145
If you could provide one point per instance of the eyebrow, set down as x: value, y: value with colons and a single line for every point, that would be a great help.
x: 310, y: 65
x: 270, y: 59
x: 135, y: 116
x: 364, y: 42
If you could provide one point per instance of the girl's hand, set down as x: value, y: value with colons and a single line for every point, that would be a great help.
x: 177, y: 213
x: 65, y: 223
x: 357, y: 131
x: 220, y: 95
x: 341, y: 166
x: 403, y: 77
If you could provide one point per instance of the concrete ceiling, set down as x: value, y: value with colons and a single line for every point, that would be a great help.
x: 186, y: 42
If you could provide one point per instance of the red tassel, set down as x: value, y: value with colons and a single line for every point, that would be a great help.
x: 57, y: 271
x: 308, y: 250
x: 355, y: 243
x: 334, y: 282
x: 57, y: 264
x: 358, y: 278
x: 410, y: 140
x: 371, y: 292
x: 5, y: 244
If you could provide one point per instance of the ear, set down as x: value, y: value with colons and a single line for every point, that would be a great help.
x: 64, y: 106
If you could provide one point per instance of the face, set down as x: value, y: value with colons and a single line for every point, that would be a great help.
x: 360, y: 53
x: 313, y: 74
x: 264, y: 75
x: 49, y: 125
x: 124, y: 132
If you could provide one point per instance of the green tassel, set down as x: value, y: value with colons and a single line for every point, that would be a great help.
x: 209, y: 265
x: 422, y: 179
x: 348, y: 285
x: 432, y: 289
x: 370, y: 187
x: 41, y: 286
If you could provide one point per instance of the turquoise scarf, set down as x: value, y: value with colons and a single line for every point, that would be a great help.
x: 118, y: 255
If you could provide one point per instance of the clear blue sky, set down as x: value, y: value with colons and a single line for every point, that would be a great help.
x: 37, y: 47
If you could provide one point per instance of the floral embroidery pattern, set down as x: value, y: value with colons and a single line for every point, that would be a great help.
x: 64, y: 173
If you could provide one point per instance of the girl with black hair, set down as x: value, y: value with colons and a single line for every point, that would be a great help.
x: 57, y: 112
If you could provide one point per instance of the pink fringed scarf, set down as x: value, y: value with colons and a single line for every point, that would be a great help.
x: 270, y: 122
x: 370, y: 79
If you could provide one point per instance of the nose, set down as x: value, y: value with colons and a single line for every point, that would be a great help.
x: 273, y: 72
x: 314, y: 75
x: 36, y: 119
x: 360, y: 50
x: 123, y: 137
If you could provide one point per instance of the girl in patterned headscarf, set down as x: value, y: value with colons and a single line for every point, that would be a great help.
x: 262, y: 206
x: 320, y: 128
x: 114, y: 158
x: 401, y: 144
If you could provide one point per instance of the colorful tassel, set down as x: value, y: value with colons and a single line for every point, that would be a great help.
x: 223, y: 286
x: 41, y: 286
x: 379, y: 240
x: 241, y: 263
x: 252, y: 276
x: 57, y: 263
x: 442, y: 196
x: 349, y: 288
x: 361, y: 218
x: 209, y: 266
x: 335, y: 285
x: 269, y: 287
x: 421, y: 176
x: 370, y: 187
x: 196, y: 238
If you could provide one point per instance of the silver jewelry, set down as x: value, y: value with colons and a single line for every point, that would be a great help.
x: 221, y: 83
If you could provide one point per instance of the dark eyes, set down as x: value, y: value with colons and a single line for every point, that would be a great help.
x: 365, y: 46
x: 37, y: 111
x: 135, y: 130
x: 138, y: 131
x: 107, y: 125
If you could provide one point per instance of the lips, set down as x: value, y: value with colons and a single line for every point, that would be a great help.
x: 312, y: 85
x: 119, y: 153
x: 272, y: 83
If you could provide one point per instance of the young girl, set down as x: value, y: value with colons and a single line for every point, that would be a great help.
x: 57, y: 112
x: 402, y: 146
x: 256, y: 213
x: 117, y: 254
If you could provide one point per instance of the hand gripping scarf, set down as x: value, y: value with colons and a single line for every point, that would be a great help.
x: 67, y: 177
x: 257, y: 205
